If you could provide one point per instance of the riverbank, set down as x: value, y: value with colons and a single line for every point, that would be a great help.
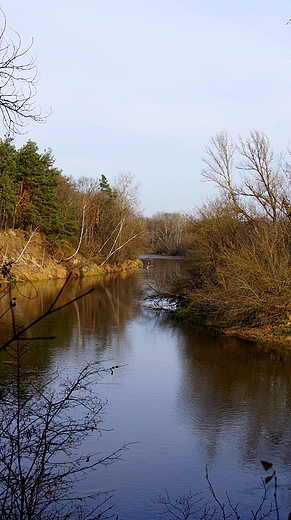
x: 24, y: 256
x: 271, y: 336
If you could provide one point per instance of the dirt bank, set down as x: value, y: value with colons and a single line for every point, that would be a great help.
x: 272, y: 336
x: 25, y: 257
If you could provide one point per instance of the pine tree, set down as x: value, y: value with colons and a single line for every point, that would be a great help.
x: 8, y: 182
x: 38, y: 181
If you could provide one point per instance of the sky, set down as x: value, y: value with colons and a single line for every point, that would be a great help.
x: 141, y: 86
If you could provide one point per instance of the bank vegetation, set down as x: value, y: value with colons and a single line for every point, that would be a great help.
x: 236, y: 269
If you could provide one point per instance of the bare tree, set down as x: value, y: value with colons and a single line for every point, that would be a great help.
x: 166, y: 233
x: 219, y: 160
x: 263, y: 179
x: 18, y: 83
x: 41, y: 432
x: 237, y: 271
x: 128, y: 192
x: 261, y: 188
x: 195, y: 507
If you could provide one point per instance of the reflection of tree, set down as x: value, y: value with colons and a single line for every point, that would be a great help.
x: 229, y: 386
x: 162, y: 268
x: 101, y: 317
x: 105, y: 315
x: 32, y: 300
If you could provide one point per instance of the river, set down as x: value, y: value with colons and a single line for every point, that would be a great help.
x: 184, y: 398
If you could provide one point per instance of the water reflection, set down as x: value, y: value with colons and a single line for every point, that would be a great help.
x: 228, y: 386
x: 102, y: 315
x: 189, y: 396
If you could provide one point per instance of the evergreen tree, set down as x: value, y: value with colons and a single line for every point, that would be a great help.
x: 38, y: 182
x: 68, y: 207
x: 106, y: 188
x: 8, y: 182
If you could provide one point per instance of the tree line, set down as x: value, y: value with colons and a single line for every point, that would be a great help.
x: 85, y: 215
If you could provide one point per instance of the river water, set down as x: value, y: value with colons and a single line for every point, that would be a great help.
x: 186, y: 398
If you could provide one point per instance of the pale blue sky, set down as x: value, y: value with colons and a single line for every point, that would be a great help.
x: 142, y: 85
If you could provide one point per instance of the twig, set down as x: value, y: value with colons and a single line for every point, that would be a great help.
x: 52, y: 309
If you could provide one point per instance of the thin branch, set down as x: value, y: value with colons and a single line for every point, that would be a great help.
x: 122, y: 245
x: 51, y: 310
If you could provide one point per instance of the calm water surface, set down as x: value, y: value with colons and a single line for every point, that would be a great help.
x: 186, y: 398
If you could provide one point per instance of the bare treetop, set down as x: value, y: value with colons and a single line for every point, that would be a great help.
x: 18, y: 83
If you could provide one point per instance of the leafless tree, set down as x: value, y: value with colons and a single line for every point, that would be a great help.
x: 166, y: 233
x: 264, y: 181
x: 219, y: 161
x: 237, y: 270
x: 18, y: 82
x: 256, y: 185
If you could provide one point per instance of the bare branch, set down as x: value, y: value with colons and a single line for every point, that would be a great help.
x: 18, y: 83
x: 262, y: 179
x: 52, y: 309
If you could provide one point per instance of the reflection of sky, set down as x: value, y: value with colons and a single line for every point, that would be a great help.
x: 141, y: 86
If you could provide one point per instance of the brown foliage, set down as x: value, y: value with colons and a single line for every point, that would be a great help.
x: 237, y: 265
x: 237, y: 273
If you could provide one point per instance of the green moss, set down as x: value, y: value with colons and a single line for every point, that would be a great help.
x: 281, y: 333
x: 186, y: 313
